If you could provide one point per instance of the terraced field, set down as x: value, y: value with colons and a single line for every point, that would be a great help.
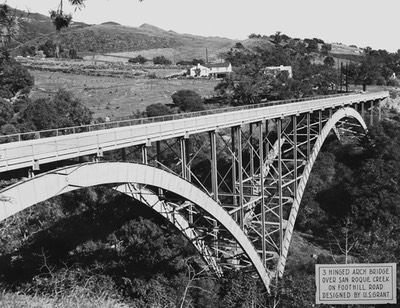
x: 117, y: 97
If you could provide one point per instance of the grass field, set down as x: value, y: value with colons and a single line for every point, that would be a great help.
x: 117, y: 97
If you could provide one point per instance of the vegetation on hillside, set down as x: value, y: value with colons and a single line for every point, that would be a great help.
x: 252, y: 83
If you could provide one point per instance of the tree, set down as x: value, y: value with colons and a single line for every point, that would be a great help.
x: 158, y: 109
x: 197, y: 61
x: 63, y: 110
x: 48, y: 48
x: 14, y: 78
x: 61, y: 20
x: 247, y: 85
x: 277, y: 37
x: 325, y: 49
x: 6, y: 112
x: 329, y: 61
x: 324, y: 78
x: 38, y: 115
x: 161, y: 60
x: 9, y: 24
x: 139, y: 59
x: 312, y: 45
x: 70, y: 110
x: 188, y: 100
x: 28, y: 51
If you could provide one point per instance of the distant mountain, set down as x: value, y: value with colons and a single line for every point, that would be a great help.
x: 111, y: 23
x: 147, y: 40
x: 111, y: 37
x: 34, y: 26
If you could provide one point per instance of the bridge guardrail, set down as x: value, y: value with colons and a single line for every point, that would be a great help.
x: 131, y: 122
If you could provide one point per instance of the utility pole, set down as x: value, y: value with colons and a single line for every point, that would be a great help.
x: 341, y: 76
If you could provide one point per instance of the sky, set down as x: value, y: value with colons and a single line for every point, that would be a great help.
x: 362, y: 23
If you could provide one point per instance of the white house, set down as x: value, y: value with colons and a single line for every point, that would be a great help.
x: 211, y: 70
x: 199, y: 71
x: 219, y: 69
x: 275, y: 69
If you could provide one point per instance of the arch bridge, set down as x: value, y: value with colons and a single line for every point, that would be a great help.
x: 231, y: 180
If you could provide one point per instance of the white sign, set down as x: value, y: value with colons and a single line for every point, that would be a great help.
x: 356, y: 283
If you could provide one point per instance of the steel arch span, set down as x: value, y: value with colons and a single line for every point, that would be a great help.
x: 29, y: 192
x: 331, y: 124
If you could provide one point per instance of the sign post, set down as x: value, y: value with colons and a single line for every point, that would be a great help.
x: 356, y: 283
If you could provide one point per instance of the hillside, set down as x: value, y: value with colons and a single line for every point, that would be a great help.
x: 35, y: 27
x: 111, y: 37
x: 147, y: 40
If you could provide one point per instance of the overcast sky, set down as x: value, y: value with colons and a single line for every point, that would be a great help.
x: 352, y: 22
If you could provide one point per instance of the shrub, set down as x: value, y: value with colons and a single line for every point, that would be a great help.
x: 155, y: 110
x: 139, y: 59
x: 161, y: 60
x: 188, y: 100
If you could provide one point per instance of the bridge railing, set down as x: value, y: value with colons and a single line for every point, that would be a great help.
x: 130, y: 122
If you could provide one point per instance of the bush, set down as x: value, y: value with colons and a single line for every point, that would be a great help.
x: 28, y: 51
x: 49, y: 49
x: 155, y: 110
x: 393, y: 82
x: 139, y: 59
x: 14, y: 78
x: 188, y: 100
x: 161, y: 60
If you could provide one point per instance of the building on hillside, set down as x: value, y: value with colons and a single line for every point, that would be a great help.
x: 217, y: 70
x: 274, y: 70
x: 199, y: 71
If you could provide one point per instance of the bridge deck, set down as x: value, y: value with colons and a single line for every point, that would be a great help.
x: 15, y: 155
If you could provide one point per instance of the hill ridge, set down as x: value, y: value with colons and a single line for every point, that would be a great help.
x: 112, y: 37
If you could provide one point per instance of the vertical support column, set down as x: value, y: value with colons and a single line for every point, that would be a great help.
x: 308, y: 116
x: 234, y: 170
x: 214, y: 182
x: 158, y: 164
x: 294, y: 122
x: 280, y: 194
x: 185, y: 146
x: 144, y: 154
x: 371, y: 120
x: 214, y: 171
x: 188, y: 161
x: 240, y: 175
x: 251, y: 153
x: 182, y: 143
x: 158, y: 153
x: 319, y: 121
x: 266, y: 136
x: 379, y: 111
x: 262, y: 193
x: 362, y: 110
x: 123, y: 154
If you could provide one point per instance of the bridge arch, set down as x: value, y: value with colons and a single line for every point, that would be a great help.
x: 29, y: 192
x: 340, y: 114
